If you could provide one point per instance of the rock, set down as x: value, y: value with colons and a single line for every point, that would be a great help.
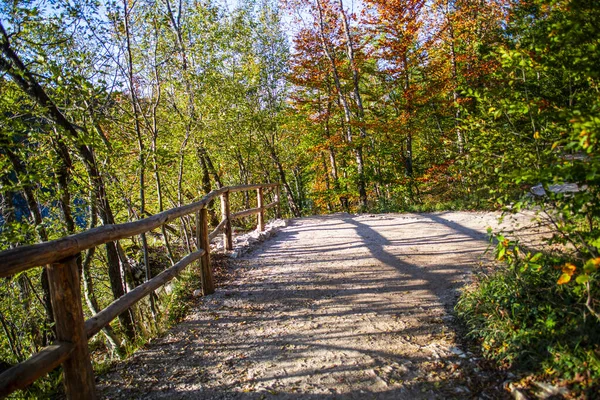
x: 401, y: 369
x: 371, y: 373
x: 549, y: 391
x: 168, y: 288
x: 458, y: 352
x: 516, y: 393
x: 461, y: 389
x: 197, y: 293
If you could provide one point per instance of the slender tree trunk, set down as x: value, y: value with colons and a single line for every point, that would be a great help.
x: 327, y: 182
x: 359, y: 106
x: 12, y: 339
x: 136, y: 109
x: 157, y: 178
x: 409, y: 110
x: 181, y: 166
x: 210, y: 166
x: 347, y: 112
x: 455, y: 94
x: 192, y: 117
x: 292, y: 202
x: 88, y: 285
x: 243, y: 175
x: 331, y: 148
x: 92, y: 304
x: 207, y: 187
x: 36, y: 216
x: 409, y: 160
x: 299, y: 187
x: 154, y: 137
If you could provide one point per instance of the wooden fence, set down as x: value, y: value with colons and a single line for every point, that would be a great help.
x: 60, y: 258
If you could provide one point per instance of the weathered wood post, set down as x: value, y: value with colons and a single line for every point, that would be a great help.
x: 278, y: 200
x: 208, y: 283
x: 65, y: 294
x: 226, y: 215
x: 261, y: 213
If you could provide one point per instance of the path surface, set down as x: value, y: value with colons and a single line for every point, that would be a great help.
x: 331, y: 307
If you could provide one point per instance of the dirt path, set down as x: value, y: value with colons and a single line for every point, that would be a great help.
x: 331, y: 307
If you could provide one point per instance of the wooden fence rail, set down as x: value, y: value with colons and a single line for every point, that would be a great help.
x: 60, y: 258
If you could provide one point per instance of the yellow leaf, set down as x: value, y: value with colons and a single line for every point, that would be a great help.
x: 564, y: 278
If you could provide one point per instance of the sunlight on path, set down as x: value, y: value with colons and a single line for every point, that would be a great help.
x: 331, y: 307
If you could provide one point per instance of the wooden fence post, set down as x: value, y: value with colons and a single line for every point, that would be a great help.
x: 261, y: 214
x: 278, y: 200
x: 208, y: 283
x: 65, y: 294
x: 226, y: 215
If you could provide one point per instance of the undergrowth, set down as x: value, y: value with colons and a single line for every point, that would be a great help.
x: 172, y: 307
x: 526, y: 322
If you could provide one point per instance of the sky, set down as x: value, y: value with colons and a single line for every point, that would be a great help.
x: 290, y: 21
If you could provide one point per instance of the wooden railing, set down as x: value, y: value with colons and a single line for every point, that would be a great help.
x: 60, y: 258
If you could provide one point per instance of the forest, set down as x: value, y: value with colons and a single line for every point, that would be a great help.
x: 114, y: 111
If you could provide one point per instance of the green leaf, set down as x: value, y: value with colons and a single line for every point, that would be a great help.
x: 501, y: 252
x: 590, y: 266
x: 596, y: 243
x: 536, y: 257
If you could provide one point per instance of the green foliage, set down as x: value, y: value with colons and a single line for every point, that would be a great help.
x: 208, y: 92
x: 467, y: 105
x: 523, y: 320
x: 180, y: 300
x: 539, y: 314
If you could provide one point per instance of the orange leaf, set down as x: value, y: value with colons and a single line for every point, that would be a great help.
x: 568, y: 269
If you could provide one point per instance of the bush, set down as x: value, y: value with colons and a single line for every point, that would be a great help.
x: 525, y: 321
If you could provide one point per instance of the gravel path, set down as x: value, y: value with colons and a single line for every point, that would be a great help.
x: 340, y: 306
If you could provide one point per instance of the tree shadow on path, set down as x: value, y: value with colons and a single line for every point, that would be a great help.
x: 310, y: 316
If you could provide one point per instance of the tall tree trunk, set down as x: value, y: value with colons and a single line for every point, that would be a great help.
x: 359, y: 106
x: 36, y: 216
x: 347, y: 112
x: 154, y: 137
x: 192, y: 117
x: 330, y: 147
x: 327, y: 182
x: 86, y: 276
x: 409, y: 110
x: 455, y: 94
x: 210, y: 166
x: 408, y: 159
x: 136, y: 109
x: 299, y: 187
x: 25, y: 285
x: 207, y: 187
x: 12, y: 339
x: 243, y: 176
x: 292, y: 202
